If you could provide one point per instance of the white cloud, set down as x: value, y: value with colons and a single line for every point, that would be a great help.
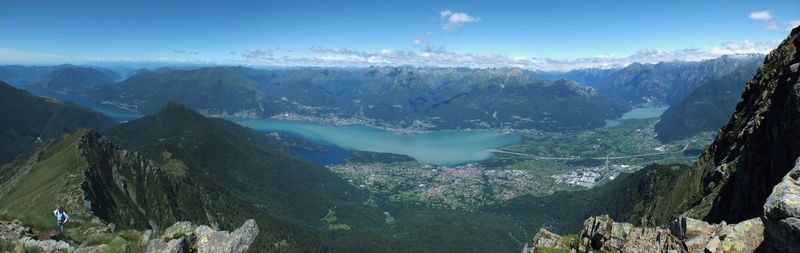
x: 441, y: 57
x: 258, y: 55
x: 454, y: 21
x: 747, y: 47
x: 422, y: 56
x: 771, y: 26
x: 761, y: 15
x: 792, y: 24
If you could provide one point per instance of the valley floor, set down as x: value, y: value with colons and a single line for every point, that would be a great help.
x: 541, y: 164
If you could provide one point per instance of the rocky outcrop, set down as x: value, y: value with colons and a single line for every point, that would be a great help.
x: 26, y: 239
x: 777, y: 230
x: 184, y: 237
x: 699, y: 236
x: 544, y: 239
x: 782, y: 213
x: 759, y: 144
x: 602, y: 233
x: 180, y: 237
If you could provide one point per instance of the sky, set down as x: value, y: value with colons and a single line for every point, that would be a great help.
x: 543, y: 35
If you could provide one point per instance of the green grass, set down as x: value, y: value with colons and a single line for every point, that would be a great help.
x: 7, y: 246
x: 38, y: 192
x: 174, y: 167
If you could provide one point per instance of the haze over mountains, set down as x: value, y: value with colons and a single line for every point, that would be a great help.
x: 306, y: 207
x: 401, y: 97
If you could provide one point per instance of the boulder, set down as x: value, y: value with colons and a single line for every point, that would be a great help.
x: 29, y: 244
x: 603, y: 234
x: 185, y: 237
x: 545, y: 239
x: 782, y: 213
x: 209, y: 240
x: 178, y: 229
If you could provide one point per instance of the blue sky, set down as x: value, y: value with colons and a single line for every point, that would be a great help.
x: 551, y: 35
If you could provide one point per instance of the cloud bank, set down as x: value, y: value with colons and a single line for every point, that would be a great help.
x: 428, y: 56
x: 421, y: 56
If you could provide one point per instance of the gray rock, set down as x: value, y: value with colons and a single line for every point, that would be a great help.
x: 45, y: 245
x: 184, y: 237
x: 603, y: 234
x: 209, y: 240
x: 545, y: 239
x: 178, y: 229
x: 782, y: 213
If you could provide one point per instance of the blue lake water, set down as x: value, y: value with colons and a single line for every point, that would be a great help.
x: 110, y: 111
x: 334, y: 155
x: 649, y: 112
x: 438, y: 148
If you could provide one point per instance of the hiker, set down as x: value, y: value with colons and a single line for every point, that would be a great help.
x: 61, y: 217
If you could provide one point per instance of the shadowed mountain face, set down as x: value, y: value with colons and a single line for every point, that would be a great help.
x: 27, y: 120
x: 706, y: 108
x: 759, y: 144
x: 669, y: 82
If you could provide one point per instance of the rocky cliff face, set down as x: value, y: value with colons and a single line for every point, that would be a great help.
x: 746, y: 186
x: 760, y: 143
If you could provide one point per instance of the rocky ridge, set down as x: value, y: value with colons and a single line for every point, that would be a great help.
x: 180, y: 237
x: 776, y: 230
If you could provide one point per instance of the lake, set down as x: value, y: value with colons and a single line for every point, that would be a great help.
x: 446, y: 148
x: 649, y: 112
x: 109, y: 110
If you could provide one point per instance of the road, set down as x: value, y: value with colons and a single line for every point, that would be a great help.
x: 577, y: 158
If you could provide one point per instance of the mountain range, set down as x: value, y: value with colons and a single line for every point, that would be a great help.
x: 395, y: 97
x: 409, y: 97
x: 669, y: 82
x: 28, y: 120
x: 705, y: 109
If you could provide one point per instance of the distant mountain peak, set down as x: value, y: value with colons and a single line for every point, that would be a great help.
x: 174, y: 106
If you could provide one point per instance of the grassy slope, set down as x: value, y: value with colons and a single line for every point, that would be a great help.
x: 33, y: 185
x: 61, y: 171
x: 34, y: 194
